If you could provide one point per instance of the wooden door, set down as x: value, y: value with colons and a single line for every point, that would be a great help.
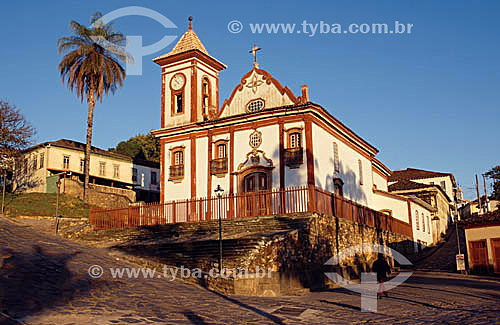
x: 256, y: 187
x: 495, y: 248
x: 479, y: 256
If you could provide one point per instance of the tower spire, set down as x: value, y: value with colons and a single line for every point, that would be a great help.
x: 190, y: 22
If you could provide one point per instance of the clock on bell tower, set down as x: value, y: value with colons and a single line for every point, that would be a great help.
x: 190, y: 82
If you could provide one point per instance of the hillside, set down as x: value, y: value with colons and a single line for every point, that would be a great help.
x: 44, y: 204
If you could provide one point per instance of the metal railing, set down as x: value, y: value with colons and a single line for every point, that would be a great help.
x: 218, y: 166
x: 177, y: 171
x: 245, y: 205
x: 294, y: 157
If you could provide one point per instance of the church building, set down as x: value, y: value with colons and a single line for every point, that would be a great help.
x: 263, y: 137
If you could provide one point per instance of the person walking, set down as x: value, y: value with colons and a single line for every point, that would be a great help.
x: 382, y: 268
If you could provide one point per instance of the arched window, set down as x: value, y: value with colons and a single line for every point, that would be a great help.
x: 255, y: 105
x: 417, y: 223
x: 177, y: 163
x: 206, y: 95
x: 360, y: 165
x: 336, y: 161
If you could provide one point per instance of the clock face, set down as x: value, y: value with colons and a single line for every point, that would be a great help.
x: 177, y: 81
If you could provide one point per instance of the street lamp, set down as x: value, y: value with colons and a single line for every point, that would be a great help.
x: 219, y: 192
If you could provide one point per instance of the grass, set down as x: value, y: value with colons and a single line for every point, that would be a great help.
x: 44, y: 204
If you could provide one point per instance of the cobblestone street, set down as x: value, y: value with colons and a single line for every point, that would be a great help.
x: 44, y: 280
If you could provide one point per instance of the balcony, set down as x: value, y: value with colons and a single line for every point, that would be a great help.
x: 294, y: 157
x: 218, y: 166
x: 176, y: 172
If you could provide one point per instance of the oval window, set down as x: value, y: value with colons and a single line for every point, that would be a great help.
x: 255, y: 105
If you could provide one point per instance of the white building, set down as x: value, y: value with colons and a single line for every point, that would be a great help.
x: 34, y: 169
x: 262, y: 137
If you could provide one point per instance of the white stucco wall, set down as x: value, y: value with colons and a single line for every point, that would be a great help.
x: 379, y: 181
x: 266, y: 91
x: 170, y: 72
x: 144, y: 178
x: 296, y: 176
x: 437, y: 181
x: 418, y: 234
x: 181, y: 188
x: 398, y: 207
x: 201, y: 166
x: 222, y: 180
x: 349, y: 170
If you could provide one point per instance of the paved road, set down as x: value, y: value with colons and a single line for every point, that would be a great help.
x: 44, y: 280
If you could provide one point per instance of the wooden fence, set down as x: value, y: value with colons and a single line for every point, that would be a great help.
x: 246, y: 205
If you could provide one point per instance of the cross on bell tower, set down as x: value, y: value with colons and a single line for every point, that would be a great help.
x: 254, y: 53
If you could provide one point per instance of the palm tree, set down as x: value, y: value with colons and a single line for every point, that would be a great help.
x: 91, y: 67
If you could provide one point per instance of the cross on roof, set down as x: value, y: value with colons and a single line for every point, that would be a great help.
x: 254, y: 53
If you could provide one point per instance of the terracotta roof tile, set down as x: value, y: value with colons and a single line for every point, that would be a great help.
x: 413, y: 173
x: 407, y: 185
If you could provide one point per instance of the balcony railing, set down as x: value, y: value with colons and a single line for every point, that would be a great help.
x: 176, y: 171
x: 244, y: 205
x: 294, y: 157
x: 218, y: 166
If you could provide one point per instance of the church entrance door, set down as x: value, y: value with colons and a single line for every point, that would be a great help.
x: 257, y: 198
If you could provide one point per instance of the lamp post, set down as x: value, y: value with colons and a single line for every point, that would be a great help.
x: 58, y: 183
x: 219, y: 191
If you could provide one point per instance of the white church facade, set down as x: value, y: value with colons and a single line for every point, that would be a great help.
x: 262, y: 137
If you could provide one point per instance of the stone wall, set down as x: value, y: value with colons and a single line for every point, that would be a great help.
x: 301, y: 254
x: 99, y: 195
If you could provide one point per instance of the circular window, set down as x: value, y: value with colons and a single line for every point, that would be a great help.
x: 255, y: 105
x: 255, y: 139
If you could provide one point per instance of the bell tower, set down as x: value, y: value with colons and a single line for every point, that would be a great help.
x: 189, y: 83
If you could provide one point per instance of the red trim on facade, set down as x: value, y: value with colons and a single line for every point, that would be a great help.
x: 376, y: 170
x: 231, y: 160
x: 194, y: 97
x: 162, y: 171
x: 282, y: 159
x: 217, y: 91
x: 410, y: 221
x: 268, y: 78
x: 209, y: 179
x: 193, y: 166
x: 190, y: 54
x: 163, y: 85
x: 309, y: 152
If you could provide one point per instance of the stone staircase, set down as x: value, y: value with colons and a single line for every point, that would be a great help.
x: 442, y: 257
x: 196, y: 245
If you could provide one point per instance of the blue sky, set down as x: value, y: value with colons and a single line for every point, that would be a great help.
x: 429, y: 99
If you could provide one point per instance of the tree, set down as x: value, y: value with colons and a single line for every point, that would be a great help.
x: 16, y: 133
x: 144, y: 146
x: 91, y: 67
x: 494, y: 174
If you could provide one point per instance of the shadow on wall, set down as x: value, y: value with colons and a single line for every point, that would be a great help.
x: 351, y: 189
x: 302, y: 257
x: 26, y: 181
x: 32, y: 282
